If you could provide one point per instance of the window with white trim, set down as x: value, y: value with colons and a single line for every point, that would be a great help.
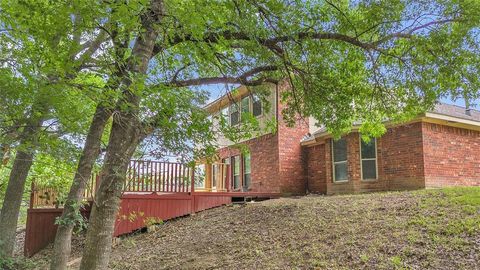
x: 234, y: 114
x: 368, y: 157
x: 224, y: 114
x: 215, y: 168
x: 256, y: 106
x: 245, y: 104
x: 246, y: 170
x: 339, y: 158
x: 236, y: 172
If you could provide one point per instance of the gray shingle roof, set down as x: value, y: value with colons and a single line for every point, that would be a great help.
x: 440, y: 108
x: 456, y: 111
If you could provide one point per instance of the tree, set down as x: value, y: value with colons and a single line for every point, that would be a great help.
x: 344, y: 62
x: 45, y: 106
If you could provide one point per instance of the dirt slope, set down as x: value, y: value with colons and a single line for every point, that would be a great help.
x: 402, y: 230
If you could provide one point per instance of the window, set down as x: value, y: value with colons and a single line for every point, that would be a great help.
x: 224, y: 114
x: 256, y: 106
x: 225, y: 161
x: 236, y: 172
x: 234, y: 114
x: 199, y: 179
x: 246, y: 171
x: 246, y: 104
x: 339, y: 156
x: 368, y: 156
x: 215, y: 168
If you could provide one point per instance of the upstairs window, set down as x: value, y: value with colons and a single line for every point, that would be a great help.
x: 368, y: 156
x: 234, y: 114
x: 246, y: 104
x: 224, y: 113
x: 339, y: 158
x: 246, y: 171
x: 256, y: 106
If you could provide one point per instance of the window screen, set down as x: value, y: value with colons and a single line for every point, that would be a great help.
x: 246, y: 170
x: 369, y: 159
x: 340, y: 164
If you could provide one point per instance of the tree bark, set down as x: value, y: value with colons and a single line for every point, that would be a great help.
x: 91, y: 150
x: 16, y: 183
x: 126, y: 134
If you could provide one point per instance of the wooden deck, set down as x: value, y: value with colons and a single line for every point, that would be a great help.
x: 153, y: 192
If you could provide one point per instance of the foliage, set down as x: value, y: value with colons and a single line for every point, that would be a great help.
x: 150, y: 221
x: 76, y: 218
x: 341, y: 62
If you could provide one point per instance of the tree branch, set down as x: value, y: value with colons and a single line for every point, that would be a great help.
x: 242, y: 79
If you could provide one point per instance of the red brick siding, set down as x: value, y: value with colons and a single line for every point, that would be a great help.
x: 452, y: 156
x: 264, y: 162
x: 316, y: 171
x: 401, y: 152
x: 399, y: 162
x: 277, y: 160
x: 292, y: 161
x: 291, y: 158
x: 355, y: 184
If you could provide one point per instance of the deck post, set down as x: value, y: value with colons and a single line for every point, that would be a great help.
x: 32, y: 191
x: 192, y: 189
x: 227, y: 178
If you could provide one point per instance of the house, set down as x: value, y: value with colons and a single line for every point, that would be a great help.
x: 438, y: 148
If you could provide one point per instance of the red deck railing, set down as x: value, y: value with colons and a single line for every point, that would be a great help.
x: 157, y: 176
x: 142, y: 176
x: 152, y: 189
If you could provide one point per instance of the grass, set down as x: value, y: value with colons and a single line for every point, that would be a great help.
x: 426, y: 229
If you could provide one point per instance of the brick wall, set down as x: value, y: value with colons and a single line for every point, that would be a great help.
x: 315, y: 168
x: 277, y: 160
x: 452, y: 156
x: 399, y: 161
x: 401, y: 153
x: 263, y: 160
x: 292, y: 161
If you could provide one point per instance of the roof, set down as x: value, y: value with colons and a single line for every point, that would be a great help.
x: 456, y: 111
x: 440, y: 108
x: 226, y: 99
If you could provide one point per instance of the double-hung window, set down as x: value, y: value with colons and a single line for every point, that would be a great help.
x: 339, y: 158
x: 245, y: 104
x: 215, y: 168
x: 246, y: 171
x: 368, y: 156
x: 256, y: 106
x: 234, y: 114
x: 249, y: 104
x: 236, y: 172
x: 226, y: 162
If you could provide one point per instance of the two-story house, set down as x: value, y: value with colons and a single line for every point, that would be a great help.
x: 438, y: 148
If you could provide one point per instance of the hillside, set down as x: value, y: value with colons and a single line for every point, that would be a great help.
x: 428, y: 229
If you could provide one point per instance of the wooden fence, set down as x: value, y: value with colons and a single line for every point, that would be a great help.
x: 142, y: 176
x: 152, y: 189
x: 156, y: 176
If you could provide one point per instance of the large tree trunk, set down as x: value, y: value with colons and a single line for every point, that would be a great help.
x: 91, y: 150
x: 16, y: 183
x: 126, y: 133
x: 125, y: 136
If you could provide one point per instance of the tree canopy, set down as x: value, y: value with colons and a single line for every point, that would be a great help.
x: 142, y: 63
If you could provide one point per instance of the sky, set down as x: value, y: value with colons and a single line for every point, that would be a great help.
x: 218, y: 90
